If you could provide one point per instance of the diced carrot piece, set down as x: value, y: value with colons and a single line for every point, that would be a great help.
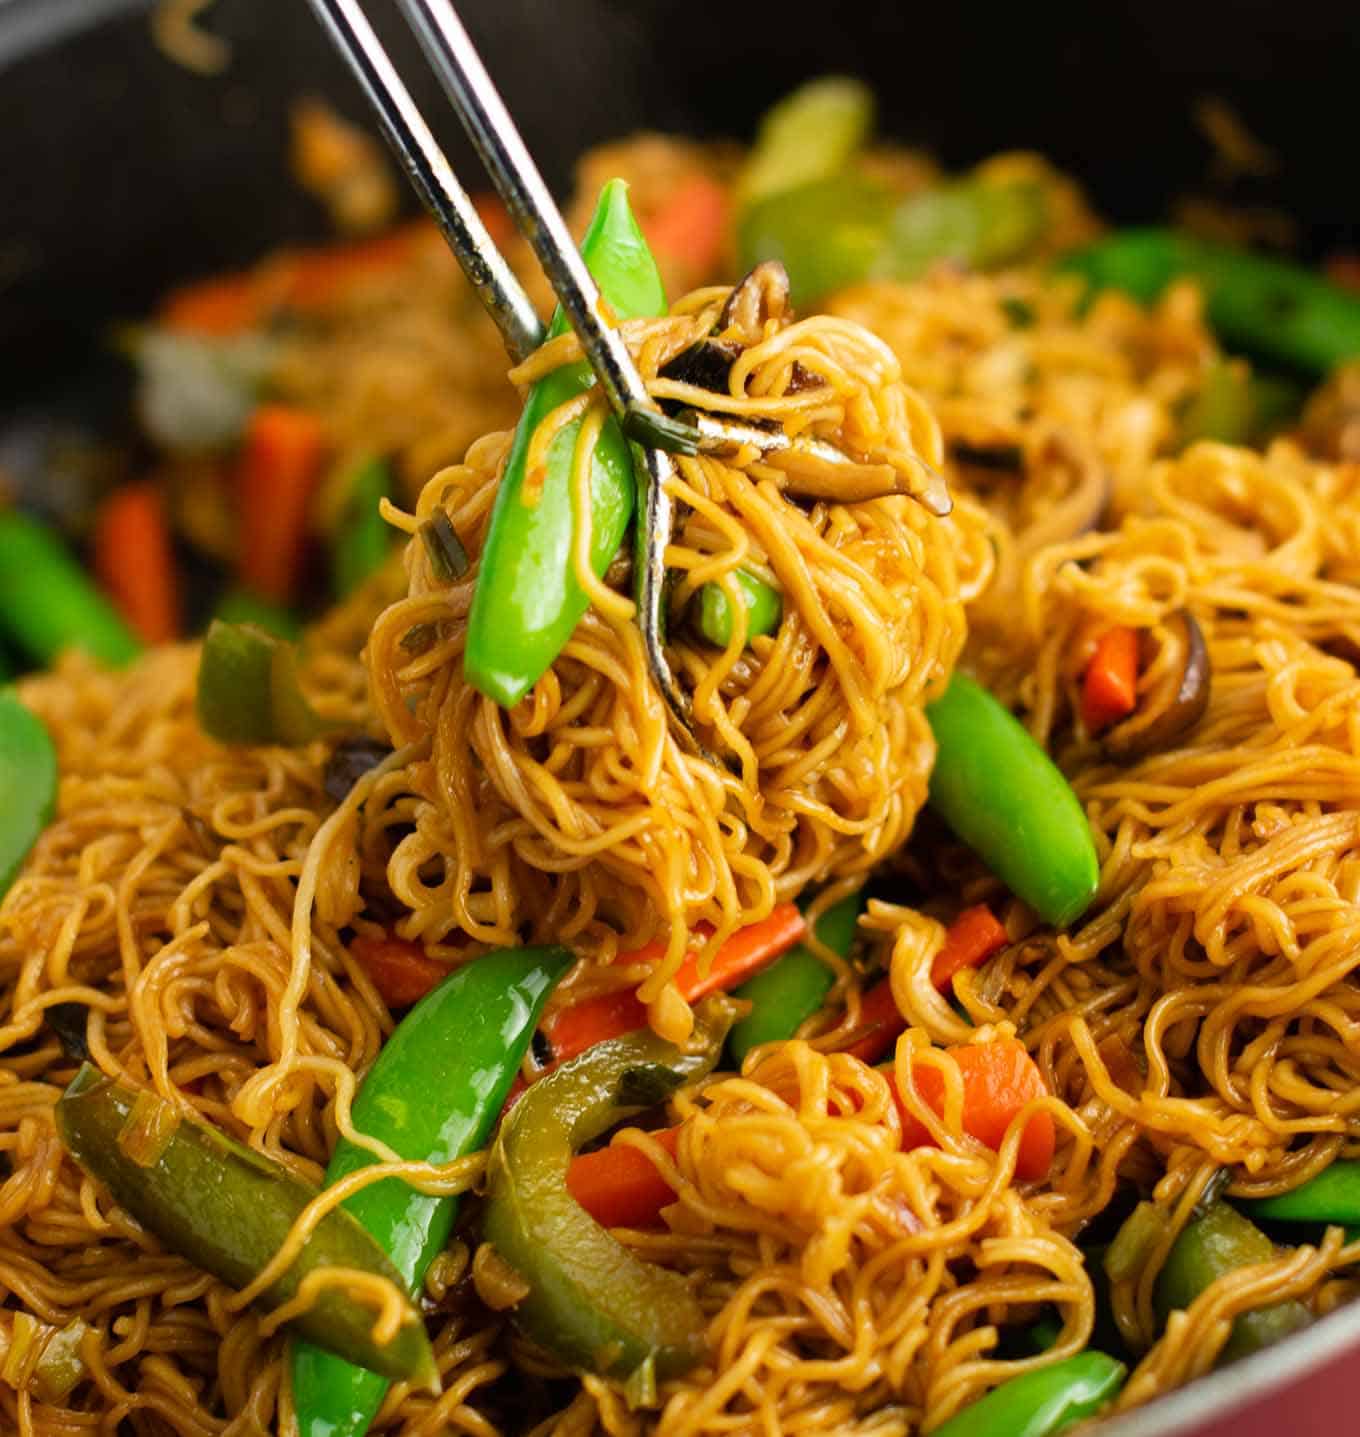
x: 999, y: 1079
x: 134, y: 561
x: 223, y: 305
x: 280, y: 468
x: 972, y: 938
x: 692, y: 223
x: 1109, y: 687
x: 401, y: 971
x: 619, y: 1186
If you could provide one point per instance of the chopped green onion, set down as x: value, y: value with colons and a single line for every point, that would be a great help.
x: 443, y: 547
x: 655, y: 430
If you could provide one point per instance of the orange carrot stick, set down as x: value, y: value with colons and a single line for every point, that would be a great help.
x: 691, y: 224
x: 401, y: 971
x: 223, y: 305
x: 999, y: 1079
x: 619, y: 1186
x: 1109, y: 685
x: 970, y: 940
x: 134, y: 562
x: 574, y: 1029
x: 280, y: 467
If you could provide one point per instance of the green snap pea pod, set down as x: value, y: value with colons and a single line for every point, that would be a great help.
x: 228, y: 1209
x: 808, y: 135
x: 240, y: 606
x: 1041, y: 1403
x: 248, y: 689
x: 28, y: 783
x: 527, y: 599
x: 1333, y: 1196
x: 363, y: 539
x: 763, y: 604
x: 433, y: 1095
x: 1219, y: 1241
x: 1265, y: 306
x: 591, y: 1301
x: 1222, y: 409
x: 6, y: 668
x: 838, y: 231
x: 1006, y: 799
x: 792, y: 988
x: 47, y: 603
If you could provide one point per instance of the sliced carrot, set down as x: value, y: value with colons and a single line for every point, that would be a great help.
x: 692, y: 223
x: 401, y: 971
x: 971, y: 939
x: 224, y: 305
x: 572, y: 1030
x: 620, y: 1186
x: 134, y: 562
x: 999, y: 1079
x: 1110, y: 683
x: 280, y: 467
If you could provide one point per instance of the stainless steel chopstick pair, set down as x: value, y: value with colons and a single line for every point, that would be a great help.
x: 456, y: 63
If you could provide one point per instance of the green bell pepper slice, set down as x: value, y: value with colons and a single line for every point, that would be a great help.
x: 433, y: 1095
x: 527, y: 600
x: 362, y: 540
x: 248, y: 689
x: 1217, y: 1242
x: 809, y: 135
x: 228, y: 1209
x: 591, y: 1302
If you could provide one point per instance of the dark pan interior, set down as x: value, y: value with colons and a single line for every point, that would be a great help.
x: 121, y: 172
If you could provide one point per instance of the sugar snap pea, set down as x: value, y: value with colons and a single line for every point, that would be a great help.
x: 28, y: 783
x: 1041, y: 1403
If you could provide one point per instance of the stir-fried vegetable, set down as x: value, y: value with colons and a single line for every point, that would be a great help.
x: 1333, y: 1196
x: 1264, y: 306
x: 787, y: 993
x: 432, y: 1096
x: 573, y: 1029
x: 240, y: 606
x: 809, y: 135
x: 28, y: 783
x: 760, y: 603
x: 591, y: 1302
x: 619, y: 1186
x: 279, y: 470
x: 1005, y: 798
x: 47, y: 604
x: 362, y: 539
x: 1042, y: 1403
x: 840, y: 231
x: 527, y: 600
x: 970, y: 940
x: 1109, y: 687
x: 1216, y: 1242
x: 248, y: 690
x: 135, y: 563
x: 228, y: 1210
x: 1176, y: 703
x: 196, y: 391
x: 691, y: 225
x: 999, y: 1080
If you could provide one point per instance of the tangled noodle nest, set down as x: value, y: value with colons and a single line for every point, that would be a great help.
x: 196, y: 901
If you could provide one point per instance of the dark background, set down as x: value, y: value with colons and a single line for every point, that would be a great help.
x: 121, y: 172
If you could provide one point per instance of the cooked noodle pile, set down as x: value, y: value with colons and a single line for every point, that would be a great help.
x: 187, y: 914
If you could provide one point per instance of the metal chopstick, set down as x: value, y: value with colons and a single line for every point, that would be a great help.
x: 432, y: 177
x: 478, y: 104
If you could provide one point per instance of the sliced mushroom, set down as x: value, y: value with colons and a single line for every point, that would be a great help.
x: 1177, y: 703
x: 350, y: 760
x: 1002, y: 458
x: 763, y: 295
x: 705, y: 365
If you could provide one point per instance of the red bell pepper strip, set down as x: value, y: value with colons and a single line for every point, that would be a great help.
x: 619, y: 1186
x: 971, y: 939
x: 692, y: 223
x: 401, y: 971
x: 1109, y: 685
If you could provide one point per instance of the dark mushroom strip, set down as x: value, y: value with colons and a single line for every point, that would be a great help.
x: 1003, y: 458
x: 350, y: 760
x: 763, y: 295
x: 1177, y: 699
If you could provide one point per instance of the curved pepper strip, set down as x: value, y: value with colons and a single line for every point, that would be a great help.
x: 527, y: 599
x: 248, y: 689
x: 433, y: 1096
x: 28, y: 783
x: 228, y: 1210
x: 1041, y: 1403
x: 592, y: 1302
